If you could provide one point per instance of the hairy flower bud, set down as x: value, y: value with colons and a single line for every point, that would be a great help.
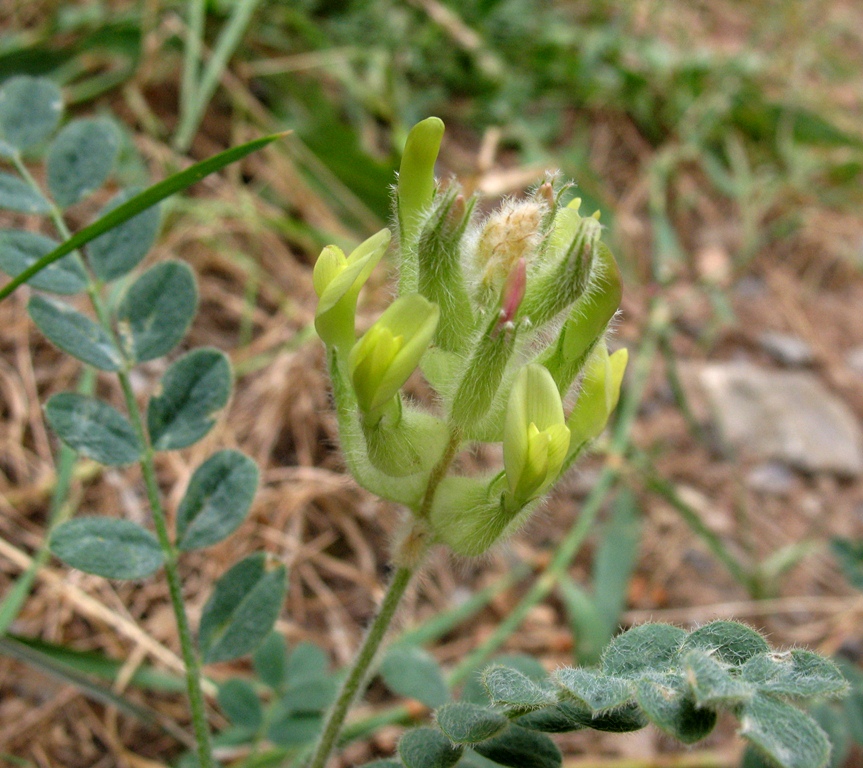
x: 536, y: 438
x: 389, y: 352
x: 337, y: 281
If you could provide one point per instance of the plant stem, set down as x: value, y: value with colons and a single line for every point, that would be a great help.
x: 148, y: 470
x: 354, y: 681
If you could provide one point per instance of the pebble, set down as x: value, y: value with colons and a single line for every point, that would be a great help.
x: 771, y: 478
x: 786, y: 349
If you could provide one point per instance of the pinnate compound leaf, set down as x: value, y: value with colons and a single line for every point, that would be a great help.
x: 727, y: 641
x: 794, y: 674
x: 465, y: 723
x: 521, y: 748
x: 242, y: 609
x: 194, y: 388
x: 427, y: 748
x: 671, y: 707
x: 413, y: 673
x: 30, y: 109
x: 107, y: 546
x: 600, y: 693
x: 93, y: 428
x: 786, y: 735
x: 74, y: 333
x: 515, y: 691
x: 157, y: 310
x: 17, y: 195
x: 217, y: 500
x: 645, y: 648
x: 271, y: 661
x: 712, y: 683
x: 121, y: 249
x: 239, y: 701
x: 20, y: 249
x: 80, y: 159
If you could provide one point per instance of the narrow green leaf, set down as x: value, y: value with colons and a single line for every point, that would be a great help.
x: 465, y: 723
x: 74, y: 333
x: 20, y: 250
x: 147, y: 198
x: 413, y: 673
x: 795, y: 674
x: 193, y: 390
x: 271, y: 661
x: 157, y: 310
x: 728, y: 641
x: 93, y: 428
x: 427, y: 748
x: 217, y: 499
x: 641, y: 649
x: 670, y: 706
x: 515, y: 691
x: 240, y: 702
x: 786, y: 735
x: 521, y: 748
x: 17, y: 195
x: 81, y: 158
x: 30, y: 109
x: 242, y: 609
x: 599, y: 692
x: 107, y: 546
x: 121, y: 249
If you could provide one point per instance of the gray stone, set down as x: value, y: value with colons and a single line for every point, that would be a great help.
x: 786, y: 349
x: 787, y: 416
x: 854, y: 358
x: 771, y: 478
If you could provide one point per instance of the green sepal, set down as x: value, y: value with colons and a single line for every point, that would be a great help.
x: 441, y: 279
x: 414, y: 443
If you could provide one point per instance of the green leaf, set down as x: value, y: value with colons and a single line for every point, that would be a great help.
x: 80, y: 159
x: 465, y: 723
x: 147, y: 198
x: 784, y: 733
x: 600, y: 693
x: 670, y: 706
x: 20, y: 250
x: 307, y: 662
x: 427, y: 748
x: 242, y: 609
x: 121, y: 249
x: 74, y: 333
x: 193, y: 390
x: 572, y: 716
x: 849, y: 555
x: 521, y: 748
x: 795, y: 674
x: 17, y: 195
x: 30, y: 109
x: 156, y: 311
x: 93, y: 428
x: 217, y: 500
x: 310, y: 695
x: 240, y: 702
x: 382, y: 764
x: 514, y: 691
x: 107, y: 546
x: 271, y: 661
x: 641, y: 649
x: 712, y: 684
x: 291, y: 730
x: 413, y: 673
x: 728, y: 641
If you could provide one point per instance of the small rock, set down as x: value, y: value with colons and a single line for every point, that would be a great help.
x: 786, y: 349
x: 854, y: 358
x: 771, y: 478
x: 787, y: 416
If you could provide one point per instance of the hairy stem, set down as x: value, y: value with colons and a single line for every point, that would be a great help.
x: 354, y: 682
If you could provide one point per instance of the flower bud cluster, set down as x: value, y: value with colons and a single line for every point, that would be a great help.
x: 503, y: 317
